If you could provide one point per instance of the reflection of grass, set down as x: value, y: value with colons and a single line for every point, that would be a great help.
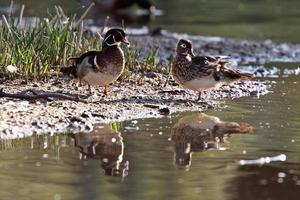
x: 39, y: 49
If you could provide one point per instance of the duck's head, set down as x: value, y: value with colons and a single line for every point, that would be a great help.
x: 185, y: 47
x: 115, y: 37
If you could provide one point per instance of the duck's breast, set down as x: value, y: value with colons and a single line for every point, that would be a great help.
x: 99, y: 78
x: 204, y: 83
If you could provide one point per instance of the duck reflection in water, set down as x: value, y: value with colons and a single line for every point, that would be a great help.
x: 106, y: 145
x: 200, y: 132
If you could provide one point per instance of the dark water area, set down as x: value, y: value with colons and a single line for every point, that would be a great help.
x: 141, y: 160
x: 258, y: 20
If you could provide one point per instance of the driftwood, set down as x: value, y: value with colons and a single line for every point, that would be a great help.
x: 32, y: 94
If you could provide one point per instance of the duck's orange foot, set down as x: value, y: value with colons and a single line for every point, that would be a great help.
x: 105, y: 91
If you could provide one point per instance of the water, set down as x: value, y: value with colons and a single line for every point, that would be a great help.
x: 140, y: 163
x: 274, y: 19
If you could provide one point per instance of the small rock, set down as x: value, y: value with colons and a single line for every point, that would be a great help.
x: 98, y: 115
x: 75, y: 119
x: 85, y: 115
x: 164, y: 111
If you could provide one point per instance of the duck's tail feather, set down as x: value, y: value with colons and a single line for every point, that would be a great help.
x: 72, y: 58
x: 69, y: 70
x: 236, y: 74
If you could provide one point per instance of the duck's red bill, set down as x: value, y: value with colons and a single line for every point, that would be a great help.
x: 125, y: 40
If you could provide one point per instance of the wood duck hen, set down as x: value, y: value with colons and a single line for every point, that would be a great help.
x: 200, y: 73
x: 101, y: 67
x: 200, y: 132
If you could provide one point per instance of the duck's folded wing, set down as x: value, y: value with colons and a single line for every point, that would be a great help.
x: 204, y: 60
x: 204, y: 66
x: 99, y: 62
x: 89, y: 54
x: 228, y: 73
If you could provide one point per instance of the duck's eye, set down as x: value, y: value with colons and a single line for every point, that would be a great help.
x: 183, y: 46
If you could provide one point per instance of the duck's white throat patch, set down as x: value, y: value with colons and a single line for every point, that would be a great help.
x: 189, y: 58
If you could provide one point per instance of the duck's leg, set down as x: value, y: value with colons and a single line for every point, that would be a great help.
x: 105, y: 91
x: 199, y: 95
x: 90, y: 89
x: 78, y: 84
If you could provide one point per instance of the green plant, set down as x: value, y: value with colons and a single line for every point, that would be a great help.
x: 36, y: 49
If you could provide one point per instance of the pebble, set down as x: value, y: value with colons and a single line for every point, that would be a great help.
x: 164, y: 111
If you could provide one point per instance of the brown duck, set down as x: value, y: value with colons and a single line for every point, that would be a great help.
x: 200, y: 132
x: 200, y: 73
x: 101, y: 67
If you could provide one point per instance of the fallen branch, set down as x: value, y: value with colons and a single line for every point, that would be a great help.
x: 34, y: 95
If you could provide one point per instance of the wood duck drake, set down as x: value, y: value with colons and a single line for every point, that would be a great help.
x: 112, y: 5
x: 106, y: 145
x: 200, y: 132
x: 102, y: 67
x: 200, y: 73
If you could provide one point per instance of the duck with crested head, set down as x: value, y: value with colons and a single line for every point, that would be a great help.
x: 101, y: 67
x: 200, y: 73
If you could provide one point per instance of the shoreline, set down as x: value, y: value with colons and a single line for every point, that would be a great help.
x: 127, y: 100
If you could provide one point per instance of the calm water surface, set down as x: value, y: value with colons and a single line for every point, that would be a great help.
x: 120, y: 162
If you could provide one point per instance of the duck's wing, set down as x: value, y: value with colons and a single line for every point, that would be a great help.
x: 95, y: 60
x: 204, y: 60
x: 226, y: 73
x: 231, y: 74
x: 80, y: 59
x: 218, y: 66
x: 205, y: 66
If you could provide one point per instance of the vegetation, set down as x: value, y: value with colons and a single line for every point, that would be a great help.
x: 38, y: 49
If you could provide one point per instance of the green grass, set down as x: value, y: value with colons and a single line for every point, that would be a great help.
x: 38, y: 50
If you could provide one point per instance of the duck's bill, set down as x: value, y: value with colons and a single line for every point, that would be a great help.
x: 125, y: 41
